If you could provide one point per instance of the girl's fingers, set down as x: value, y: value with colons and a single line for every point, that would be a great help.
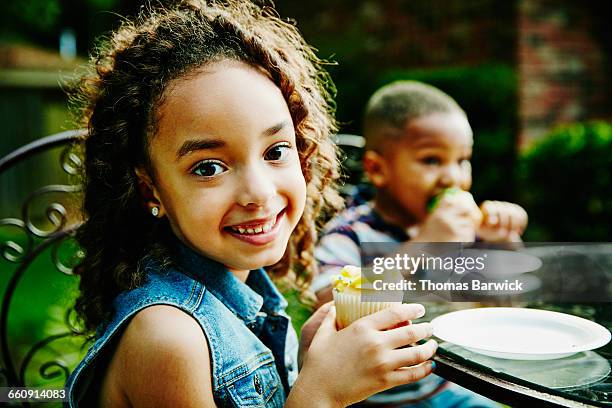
x: 407, y: 375
x: 410, y: 356
x: 314, y: 322
x: 387, y: 318
x: 322, y: 311
x: 403, y: 336
x: 329, y: 322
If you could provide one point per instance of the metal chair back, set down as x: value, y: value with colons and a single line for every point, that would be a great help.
x: 43, y: 228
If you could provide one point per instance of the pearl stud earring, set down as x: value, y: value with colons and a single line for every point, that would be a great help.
x: 155, y: 211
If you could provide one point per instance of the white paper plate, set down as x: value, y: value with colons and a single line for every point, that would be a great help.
x: 520, y: 334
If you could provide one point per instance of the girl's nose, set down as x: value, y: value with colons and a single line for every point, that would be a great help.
x: 256, y: 188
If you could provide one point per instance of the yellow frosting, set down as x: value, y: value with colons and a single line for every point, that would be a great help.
x: 350, y: 277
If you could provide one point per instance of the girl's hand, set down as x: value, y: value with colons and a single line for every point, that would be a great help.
x: 502, y: 222
x: 454, y: 219
x: 309, y: 329
x: 346, y: 366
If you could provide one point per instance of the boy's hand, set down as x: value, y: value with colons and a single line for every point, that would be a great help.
x: 366, y: 357
x: 454, y: 219
x: 502, y: 222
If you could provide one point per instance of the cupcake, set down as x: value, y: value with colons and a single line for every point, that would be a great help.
x: 353, y: 297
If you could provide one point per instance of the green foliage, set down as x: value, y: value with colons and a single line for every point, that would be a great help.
x: 297, y: 309
x: 39, y: 15
x: 40, y: 22
x: 487, y: 93
x: 566, y: 184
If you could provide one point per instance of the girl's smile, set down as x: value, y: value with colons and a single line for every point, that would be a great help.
x: 258, y: 232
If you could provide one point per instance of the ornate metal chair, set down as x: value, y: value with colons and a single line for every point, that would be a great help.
x: 38, y: 347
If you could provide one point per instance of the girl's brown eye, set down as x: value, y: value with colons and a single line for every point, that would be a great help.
x: 209, y: 168
x: 278, y: 152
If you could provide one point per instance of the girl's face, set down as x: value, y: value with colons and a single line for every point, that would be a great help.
x: 227, y: 171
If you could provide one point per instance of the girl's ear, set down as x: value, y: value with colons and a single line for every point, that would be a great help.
x: 376, y: 168
x: 150, y: 196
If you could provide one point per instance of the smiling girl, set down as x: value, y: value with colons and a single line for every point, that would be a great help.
x: 208, y: 158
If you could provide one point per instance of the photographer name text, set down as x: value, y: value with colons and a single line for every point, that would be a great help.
x: 428, y: 285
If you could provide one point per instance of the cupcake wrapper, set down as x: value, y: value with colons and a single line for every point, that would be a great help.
x: 351, y: 306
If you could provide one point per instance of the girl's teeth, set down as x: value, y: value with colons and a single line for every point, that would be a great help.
x: 257, y: 230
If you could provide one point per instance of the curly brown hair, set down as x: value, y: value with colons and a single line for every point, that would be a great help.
x: 118, y: 102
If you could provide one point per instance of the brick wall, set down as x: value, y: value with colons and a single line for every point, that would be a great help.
x: 561, y: 67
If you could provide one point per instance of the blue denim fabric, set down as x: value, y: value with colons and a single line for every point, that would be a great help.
x: 253, y: 346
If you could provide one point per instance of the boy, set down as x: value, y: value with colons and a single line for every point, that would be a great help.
x: 418, y: 145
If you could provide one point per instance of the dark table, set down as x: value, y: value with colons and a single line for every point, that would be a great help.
x: 581, y: 380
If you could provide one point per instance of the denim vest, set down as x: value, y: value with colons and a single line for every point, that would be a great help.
x: 253, y: 346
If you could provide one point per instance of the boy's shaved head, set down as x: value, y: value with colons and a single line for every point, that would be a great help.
x: 394, y: 105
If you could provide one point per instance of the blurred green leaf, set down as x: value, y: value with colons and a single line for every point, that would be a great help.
x: 566, y: 184
x: 41, y: 15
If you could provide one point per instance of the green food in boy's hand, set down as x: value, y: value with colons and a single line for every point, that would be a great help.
x: 435, y: 200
